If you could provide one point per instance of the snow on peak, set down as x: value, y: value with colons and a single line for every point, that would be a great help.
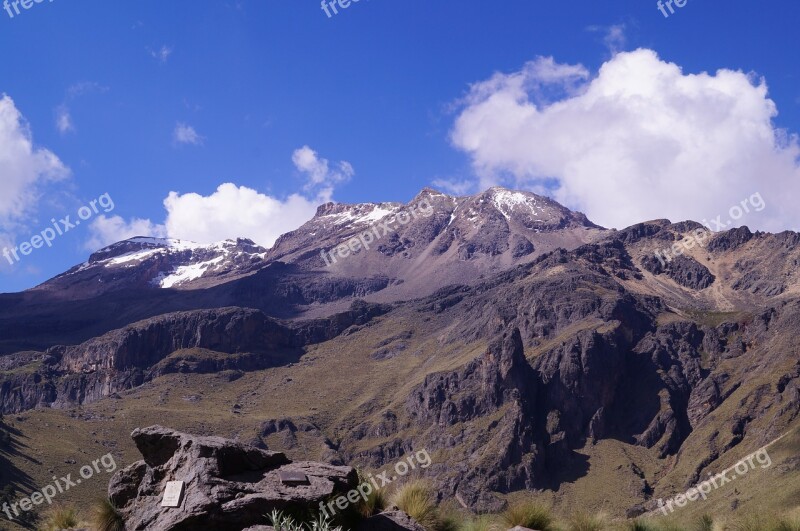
x: 365, y: 213
x: 186, y: 273
x: 166, y: 242
x: 506, y: 201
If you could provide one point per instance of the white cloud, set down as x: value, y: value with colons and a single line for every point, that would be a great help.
x: 318, y: 171
x: 162, y: 54
x: 232, y: 211
x: 235, y: 211
x: 640, y: 140
x: 186, y: 134
x: 64, y: 120
x: 107, y: 230
x: 24, y: 168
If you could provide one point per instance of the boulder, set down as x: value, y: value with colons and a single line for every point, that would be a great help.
x: 228, y: 485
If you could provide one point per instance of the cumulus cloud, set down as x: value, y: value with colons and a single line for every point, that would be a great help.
x: 24, y: 167
x: 320, y: 175
x: 639, y: 140
x: 235, y: 211
x: 186, y: 134
x: 107, y: 230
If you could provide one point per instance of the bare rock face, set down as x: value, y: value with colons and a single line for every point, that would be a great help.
x: 684, y: 270
x: 228, y: 485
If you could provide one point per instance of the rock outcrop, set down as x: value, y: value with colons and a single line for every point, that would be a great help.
x: 202, y: 341
x: 228, y: 485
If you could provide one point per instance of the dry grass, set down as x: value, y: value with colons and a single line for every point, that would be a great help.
x: 586, y: 522
x: 416, y: 499
x: 106, y: 517
x: 61, y: 517
x: 529, y: 514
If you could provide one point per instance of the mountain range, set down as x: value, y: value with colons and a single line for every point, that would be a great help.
x: 525, y: 347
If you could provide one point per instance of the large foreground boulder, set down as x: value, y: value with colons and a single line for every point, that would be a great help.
x: 228, y: 485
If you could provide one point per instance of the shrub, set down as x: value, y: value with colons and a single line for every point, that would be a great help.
x: 106, y: 517
x: 530, y: 515
x: 416, y: 499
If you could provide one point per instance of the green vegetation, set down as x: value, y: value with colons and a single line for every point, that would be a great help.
x: 713, y: 319
x: 529, y: 514
x: 416, y: 499
x: 283, y: 522
x: 377, y: 500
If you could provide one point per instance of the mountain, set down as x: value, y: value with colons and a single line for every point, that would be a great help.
x: 417, y: 248
x: 442, y: 236
x: 524, y: 347
x: 142, y: 263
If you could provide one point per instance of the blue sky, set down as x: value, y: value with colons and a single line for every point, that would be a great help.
x: 107, y: 86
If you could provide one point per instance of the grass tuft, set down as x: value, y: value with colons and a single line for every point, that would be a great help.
x: 377, y: 501
x: 529, y: 514
x: 106, y: 517
x: 416, y: 499
x: 60, y: 517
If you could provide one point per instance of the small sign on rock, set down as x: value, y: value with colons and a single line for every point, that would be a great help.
x: 173, y: 494
x: 290, y: 477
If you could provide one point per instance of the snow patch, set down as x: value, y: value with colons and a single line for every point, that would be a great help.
x: 185, y: 273
x: 506, y: 201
